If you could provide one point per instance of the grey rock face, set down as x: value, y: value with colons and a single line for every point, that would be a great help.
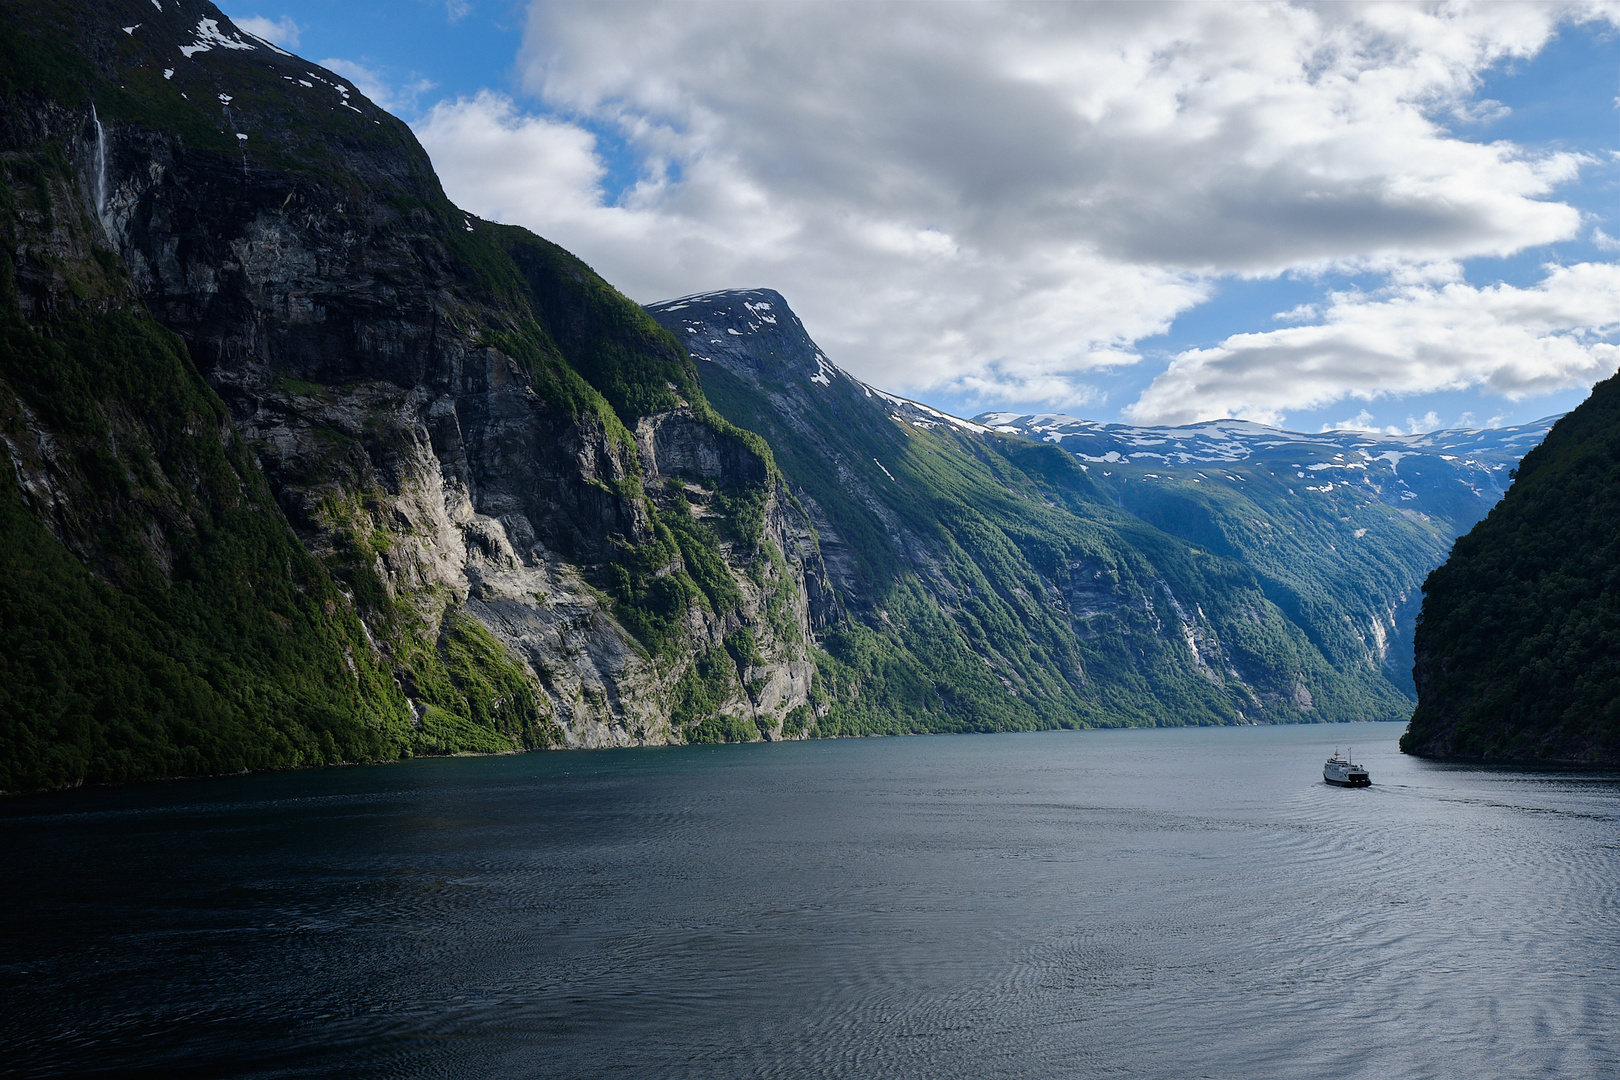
x: 349, y: 318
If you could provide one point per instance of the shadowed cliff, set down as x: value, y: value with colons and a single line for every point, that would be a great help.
x: 1518, y: 644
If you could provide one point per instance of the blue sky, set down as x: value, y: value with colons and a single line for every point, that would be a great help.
x: 1009, y: 216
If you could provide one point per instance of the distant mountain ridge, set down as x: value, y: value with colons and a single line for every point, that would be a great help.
x: 999, y: 570
x: 1341, y: 527
x: 1445, y: 467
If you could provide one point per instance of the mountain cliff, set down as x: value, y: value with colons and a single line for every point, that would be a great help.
x: 1340, y: 527
x: 992, y: 582
x: 311, y: 466
x: 1518, y: 644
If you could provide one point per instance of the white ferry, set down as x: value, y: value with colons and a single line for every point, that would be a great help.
x: 1339, y: 770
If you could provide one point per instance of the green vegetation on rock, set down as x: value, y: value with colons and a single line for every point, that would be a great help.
x: 991, y: 583
x: 1518, y: 645
x: 193, y: 634
x: 160, y: 616
x: 286, y: 489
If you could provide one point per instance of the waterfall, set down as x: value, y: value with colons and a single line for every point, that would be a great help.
x: 101, y: 167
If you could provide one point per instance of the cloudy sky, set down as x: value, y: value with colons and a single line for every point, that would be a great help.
x: 1392, y: 216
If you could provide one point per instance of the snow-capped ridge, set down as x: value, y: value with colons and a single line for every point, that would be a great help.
x: 721, y: 326
x: 1231, y: 440
x: 1394, y: 469
x: 928, y: 412
x: 725, y: 321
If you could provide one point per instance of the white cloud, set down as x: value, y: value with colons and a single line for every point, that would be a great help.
x: 1362, y: 421
x: 915, y: 306
x: 1406, y: 339
x: 1001, y: 198
x: 1429, y: 421
x: 283, y: 31
x: 515, y: 167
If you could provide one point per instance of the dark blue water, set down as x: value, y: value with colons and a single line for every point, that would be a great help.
x: 1121, y: 904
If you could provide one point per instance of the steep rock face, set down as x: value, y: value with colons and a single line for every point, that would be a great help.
x: 989, y: 582
x: 1518, y: 644
x: 502, y: 465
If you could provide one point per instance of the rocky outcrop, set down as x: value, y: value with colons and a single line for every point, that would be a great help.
x: 427, y: 394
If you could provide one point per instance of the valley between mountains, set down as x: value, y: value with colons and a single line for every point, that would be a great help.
x: 307, y: 466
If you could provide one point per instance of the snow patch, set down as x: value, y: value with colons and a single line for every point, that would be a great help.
x: 267, y: 43
x: 946, y: 418
x: 759, y: 310
x: 824, y: 370
x: 209, y: 38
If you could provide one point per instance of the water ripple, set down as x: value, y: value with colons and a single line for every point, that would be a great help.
x: 1123, y: 904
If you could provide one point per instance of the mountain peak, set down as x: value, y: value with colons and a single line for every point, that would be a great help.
x: 753, y: 334
x: 750, y: 332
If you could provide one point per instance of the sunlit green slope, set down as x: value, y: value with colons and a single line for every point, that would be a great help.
x: 990, y: 582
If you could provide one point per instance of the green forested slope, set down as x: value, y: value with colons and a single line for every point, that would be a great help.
x: 207, y: 641
x: 1518, y: 644
x: 990, y: 582
x: 1339, y: 527
x: 168, y: 604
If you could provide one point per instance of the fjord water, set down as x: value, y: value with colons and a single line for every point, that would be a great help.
x: 1064, y: 904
